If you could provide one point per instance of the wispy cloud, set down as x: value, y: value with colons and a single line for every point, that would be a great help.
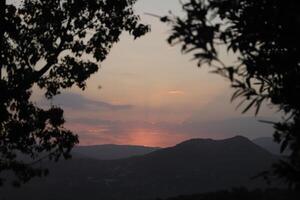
x: 176, y: 92
x: 99, y: 131
x: 78, y: 102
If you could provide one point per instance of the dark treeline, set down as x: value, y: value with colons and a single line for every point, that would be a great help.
x: 241, y: 194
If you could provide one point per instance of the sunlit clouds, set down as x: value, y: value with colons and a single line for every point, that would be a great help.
x: 121, y: 133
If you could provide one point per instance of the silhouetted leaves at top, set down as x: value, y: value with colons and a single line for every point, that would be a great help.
x: 264, y: 36
x: 54, y: 44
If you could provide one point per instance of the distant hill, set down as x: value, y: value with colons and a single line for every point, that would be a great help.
x: 193, y: 166
x: 268, y: 144
x: 112, y: 151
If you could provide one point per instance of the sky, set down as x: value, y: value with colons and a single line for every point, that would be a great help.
x: 148, y: 93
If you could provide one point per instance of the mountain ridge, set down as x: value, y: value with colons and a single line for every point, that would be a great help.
x: 192, y: 166
x: 112, y: 151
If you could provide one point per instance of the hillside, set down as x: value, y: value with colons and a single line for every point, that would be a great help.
x: 198, y: 165
x: 112, y: 151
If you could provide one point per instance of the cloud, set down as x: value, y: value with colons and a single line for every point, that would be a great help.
x: 176, y: 92
x: 250, y: 127
x: 99, y: 131
x: 78, y: 102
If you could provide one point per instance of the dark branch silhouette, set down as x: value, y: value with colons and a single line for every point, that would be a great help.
x: 54, y: 44
x: 264, y: 36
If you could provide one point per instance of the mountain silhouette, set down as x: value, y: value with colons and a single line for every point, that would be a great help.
x: 112, y: 151
x: 193, y: 166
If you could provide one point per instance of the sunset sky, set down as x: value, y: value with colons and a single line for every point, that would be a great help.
x: 148, y: 93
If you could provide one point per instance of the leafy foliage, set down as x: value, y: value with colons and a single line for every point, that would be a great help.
x: 265, y: 39
x: 54, y: 44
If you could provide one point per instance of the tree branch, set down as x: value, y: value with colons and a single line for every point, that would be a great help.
x: 59, y: 49
x: 84, y: 28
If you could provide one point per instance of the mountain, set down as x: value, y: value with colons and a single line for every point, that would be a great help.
x: 112, y: 151
x: 193, y: 166
x: 268, y: 144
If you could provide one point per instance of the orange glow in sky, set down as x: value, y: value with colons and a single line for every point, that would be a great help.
x: 154, y: 138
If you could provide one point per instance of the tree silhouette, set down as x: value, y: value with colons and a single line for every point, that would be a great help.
x: 54, y: 44
x: 264, y: 36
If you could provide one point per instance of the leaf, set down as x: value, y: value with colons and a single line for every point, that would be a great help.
x: 249, y: 106
x: 284, y: 145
